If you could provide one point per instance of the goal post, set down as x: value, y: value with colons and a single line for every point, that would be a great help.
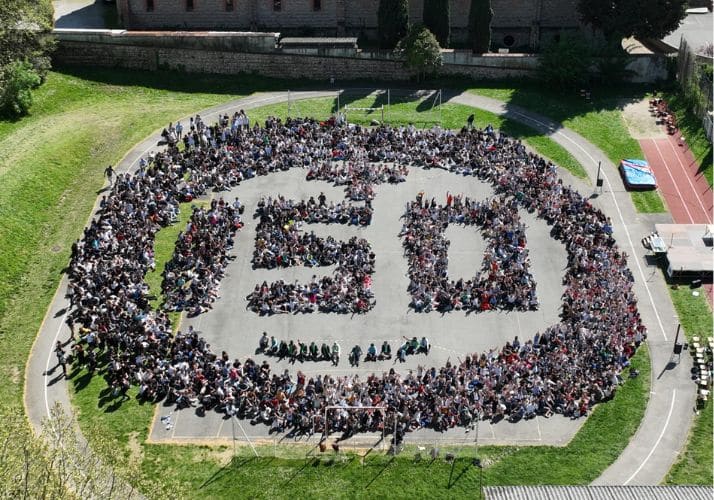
x: 326, y: 427
x: 367, y: 110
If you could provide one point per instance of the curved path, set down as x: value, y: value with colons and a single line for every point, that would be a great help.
x: 664, y: 428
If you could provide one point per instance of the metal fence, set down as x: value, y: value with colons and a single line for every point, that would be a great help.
x: 694, y: 76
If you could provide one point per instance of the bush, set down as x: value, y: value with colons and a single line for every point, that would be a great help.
x: 565, y: 63
x: 16, y: 83
x: 420, y: 50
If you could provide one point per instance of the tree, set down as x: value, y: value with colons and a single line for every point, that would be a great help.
x: 392, y: 22
x: 619, y: 19
x: 18, y: 79
x: 480, y: 16
x: 420, y: 50
x: 25, y: 46
x: 437, y: 19
x: 565, y: 63
x: 59, y: 463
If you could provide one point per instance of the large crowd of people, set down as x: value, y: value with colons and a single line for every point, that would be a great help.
x: 504, y: 280
x: 564, y: 369
x: 191, y: 277
x: 282, y: 242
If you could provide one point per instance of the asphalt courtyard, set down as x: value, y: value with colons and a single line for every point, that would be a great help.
x: 230, y: 327
x: 662, y: 432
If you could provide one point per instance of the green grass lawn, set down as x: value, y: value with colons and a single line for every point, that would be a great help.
x: 599, y: 121
x: 51, y: 165
x: 695, y: 464
x: 693, y: 311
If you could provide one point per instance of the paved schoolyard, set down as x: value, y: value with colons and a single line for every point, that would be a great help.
x: 230, y: 327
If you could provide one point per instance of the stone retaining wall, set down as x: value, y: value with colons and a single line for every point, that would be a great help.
x: 232, y: 53
x: 276, y: 65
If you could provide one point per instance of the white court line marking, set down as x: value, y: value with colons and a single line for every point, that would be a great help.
x: 490, y: 427
x: 173, y: 431
x: 661, y: 435
x: 676, y: 187
x: 689, y: 180
x: 619, y: 212
x: 518, y: 322
x: 49, y: 357
x: 220, y: 427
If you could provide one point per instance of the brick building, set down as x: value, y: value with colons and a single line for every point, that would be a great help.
x: 516, y: 23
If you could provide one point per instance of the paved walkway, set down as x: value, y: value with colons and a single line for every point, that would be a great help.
x: 663, y: 430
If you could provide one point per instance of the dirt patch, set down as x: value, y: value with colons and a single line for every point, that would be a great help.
x: 14, y: 374
x: 219, y: 455
x: 640, y: 122
x: 136, y: 452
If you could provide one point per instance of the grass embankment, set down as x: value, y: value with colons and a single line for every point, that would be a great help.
x: 51, y: 167
x: 599, y: 121
x: 695, y: 464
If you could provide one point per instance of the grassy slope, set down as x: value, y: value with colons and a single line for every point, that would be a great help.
x: 51, y: 166
x: 695, y: 464
x: 600, y: 122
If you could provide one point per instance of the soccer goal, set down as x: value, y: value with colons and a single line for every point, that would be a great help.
x: 339, y: 446
x: 420, y: 107
x: 367, y: 112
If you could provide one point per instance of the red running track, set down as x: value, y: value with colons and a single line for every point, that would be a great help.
x: 686, y: 192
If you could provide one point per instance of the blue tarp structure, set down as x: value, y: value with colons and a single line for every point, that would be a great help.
x: 638, y: 174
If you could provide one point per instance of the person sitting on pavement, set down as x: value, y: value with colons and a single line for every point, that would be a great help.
x: 371, y: 353
x: 263, y: 342
x: 335, y: 353
x: 424, y: 345
x: 385, y: 351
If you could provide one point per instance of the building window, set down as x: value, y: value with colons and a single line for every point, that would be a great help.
x: 316, y: 5
x: 149, y: 5
x: 189, y: 5
x: 277, y: 5
x: 229, y: 5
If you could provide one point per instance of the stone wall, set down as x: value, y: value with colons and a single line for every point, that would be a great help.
x: 277, y: 65
x: 232, y: 53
